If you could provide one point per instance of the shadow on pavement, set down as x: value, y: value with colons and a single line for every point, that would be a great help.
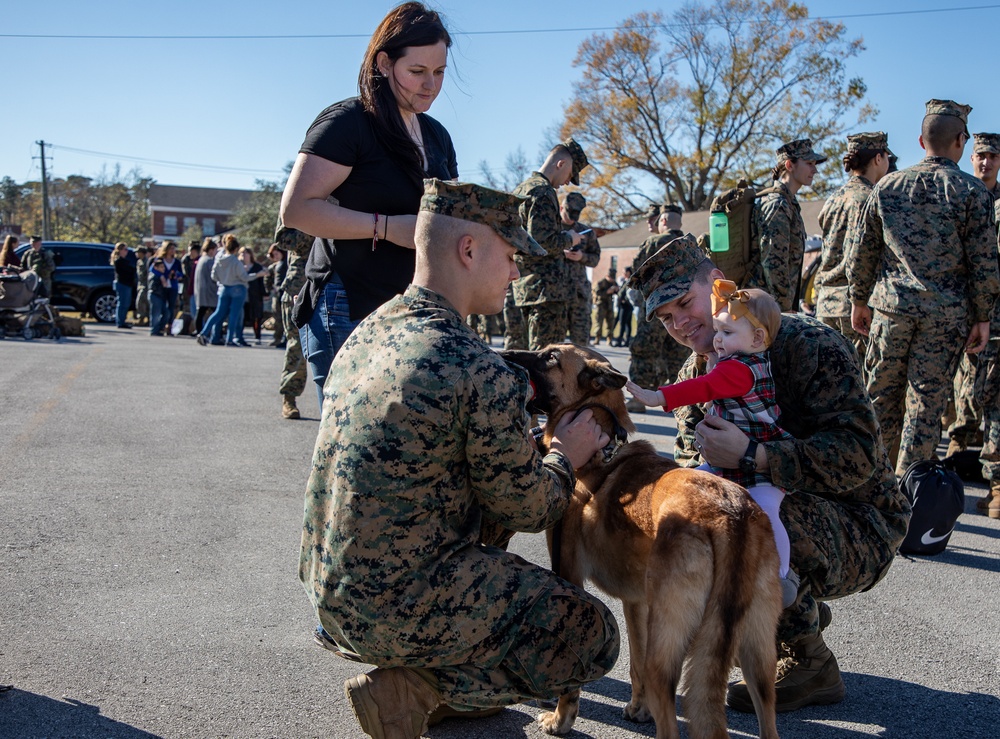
x: 24, y: 714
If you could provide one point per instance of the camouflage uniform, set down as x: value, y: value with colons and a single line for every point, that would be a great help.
x: 605, y: 325
x: 781, y: 240
x: 654, y: 357
x: 294, y: 371
x: 780, y: 234
x: 844, y: 513
x: 839, y: 214
x: 968, y: 413
x: 580, y: 307
x: 927, y: 233
x: 142, y: 290
x: 543, y: 290
x: 423, y: 444
x: 514, y: 336
x: 42, y: 263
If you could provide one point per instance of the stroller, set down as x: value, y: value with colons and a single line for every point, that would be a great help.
x: 23, y: 310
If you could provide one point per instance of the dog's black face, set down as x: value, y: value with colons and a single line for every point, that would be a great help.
x: 564, y: 375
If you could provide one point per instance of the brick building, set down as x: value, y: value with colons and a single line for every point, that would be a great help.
x: 173, y: 209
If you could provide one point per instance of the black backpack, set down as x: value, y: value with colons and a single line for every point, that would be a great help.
x: 938, y: 499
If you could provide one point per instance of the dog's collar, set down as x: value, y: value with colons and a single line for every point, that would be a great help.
x: 620, y: 437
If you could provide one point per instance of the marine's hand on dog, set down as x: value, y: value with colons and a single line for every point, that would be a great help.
x: 646, y: 397
x: 579, y: 437
x: 720, y: 442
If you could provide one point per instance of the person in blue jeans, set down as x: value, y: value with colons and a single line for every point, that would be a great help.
x: 372, y: 153
x: 233, y: 279
x: 124, y: 284
x: 164, y: 278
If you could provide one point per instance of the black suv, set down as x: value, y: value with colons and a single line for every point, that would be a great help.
x: 83, y: 277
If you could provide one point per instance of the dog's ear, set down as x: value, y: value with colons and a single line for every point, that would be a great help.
x: 601, y: 377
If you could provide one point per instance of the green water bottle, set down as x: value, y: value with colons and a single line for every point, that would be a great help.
x: 718, y: 231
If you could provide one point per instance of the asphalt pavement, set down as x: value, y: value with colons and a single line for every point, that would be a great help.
x: 150, y: 511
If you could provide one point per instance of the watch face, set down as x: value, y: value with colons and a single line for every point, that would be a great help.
x: 748, y: 464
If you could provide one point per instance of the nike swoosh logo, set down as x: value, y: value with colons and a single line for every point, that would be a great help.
x: 927, y: 539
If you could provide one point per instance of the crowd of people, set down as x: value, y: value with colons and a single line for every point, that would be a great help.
x: 422, y: 423
x: 424, y: 463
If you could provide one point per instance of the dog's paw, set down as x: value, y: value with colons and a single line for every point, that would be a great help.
x: 637, y: 712
x: 554, y: 723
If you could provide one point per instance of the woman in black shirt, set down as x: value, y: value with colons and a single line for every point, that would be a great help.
x: 370, y: 154
x: 124, y: 283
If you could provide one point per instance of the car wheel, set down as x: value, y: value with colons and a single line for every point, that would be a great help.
x: 28, y: 333
x: 103, y: 306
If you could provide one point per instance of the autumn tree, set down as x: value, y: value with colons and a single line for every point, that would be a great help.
x: 684, y: 106
x: 515, y: 171
x: 255, y: 217
x: 108, y: 208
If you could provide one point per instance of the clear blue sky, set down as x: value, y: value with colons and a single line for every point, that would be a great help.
x: 246, y: 103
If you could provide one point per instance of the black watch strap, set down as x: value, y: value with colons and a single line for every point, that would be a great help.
x: 748, y: 463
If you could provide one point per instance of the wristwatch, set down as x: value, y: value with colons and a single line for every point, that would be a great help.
x: 748, y: 462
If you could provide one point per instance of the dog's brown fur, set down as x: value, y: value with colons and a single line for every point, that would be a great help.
x: 690, y: 555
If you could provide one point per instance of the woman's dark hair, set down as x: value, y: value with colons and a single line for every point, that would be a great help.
x: 409, y: 24
x: 859, y: 160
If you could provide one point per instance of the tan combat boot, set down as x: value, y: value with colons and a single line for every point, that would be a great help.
x: 288, y: 407
x: 808, y: 675
x: 392, y: 703
x: 983, y: 504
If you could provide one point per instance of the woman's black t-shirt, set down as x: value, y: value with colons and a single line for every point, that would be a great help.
x: 343, y: 133
x: 125, y: 272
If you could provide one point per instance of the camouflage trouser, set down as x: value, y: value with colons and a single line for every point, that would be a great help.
x: 604, y: 326
x: 834, y: 554
x: 546, y: 324
x: 279, y: 321
x: 514, y: 336
x: 911, y: 361
x: 142, y: 304
x: 968, y: 415
x: 567, y: 639
x: 579, y: 309
x: 987, y: 396
x: 843, y: 325
x: 655, y: 357
x: 294, y: 373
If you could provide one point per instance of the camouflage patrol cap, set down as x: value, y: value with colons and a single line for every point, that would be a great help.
x: 478, y: 204
x: 874, y: 141
x: 799, y: 149
x: 671, y: 208
x: 949, y: 107
x: 668, y: 274
x: 580, y: 162
x: 986, y: 143
x: 575, y: 203
x: 653, y: 211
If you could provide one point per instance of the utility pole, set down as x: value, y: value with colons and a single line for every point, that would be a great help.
x: 46, y: 223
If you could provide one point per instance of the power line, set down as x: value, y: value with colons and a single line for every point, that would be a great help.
x: 168, y: 163
x: 594, y: 29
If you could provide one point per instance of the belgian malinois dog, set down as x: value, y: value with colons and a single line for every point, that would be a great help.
x: 690, y: 555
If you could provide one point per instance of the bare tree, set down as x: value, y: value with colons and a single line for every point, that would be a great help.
x: 702, y: 99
